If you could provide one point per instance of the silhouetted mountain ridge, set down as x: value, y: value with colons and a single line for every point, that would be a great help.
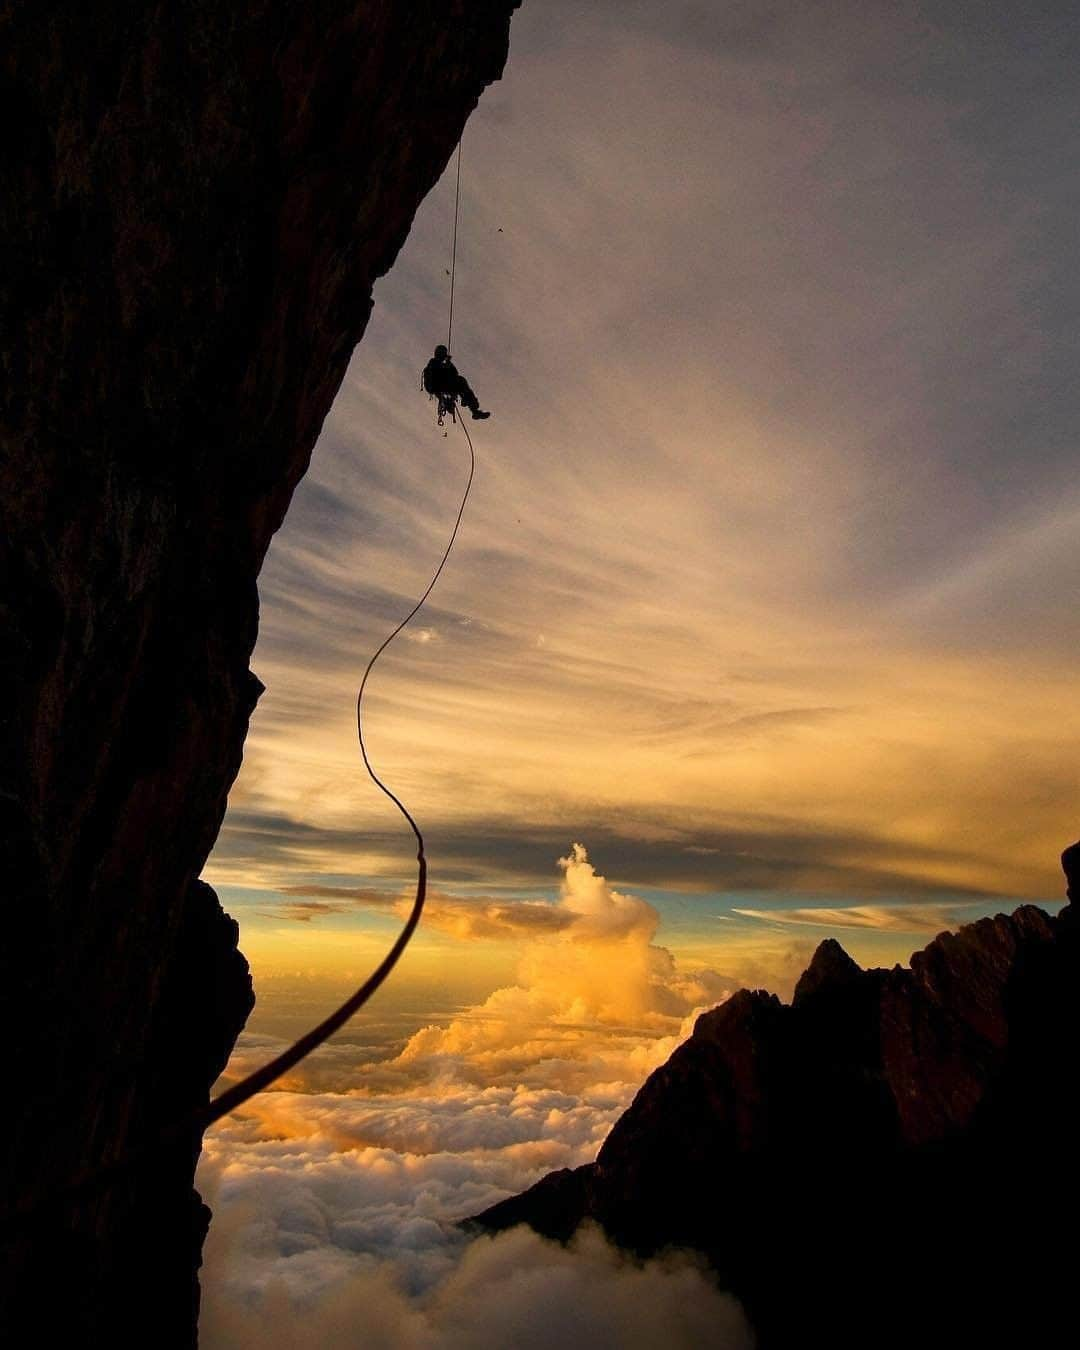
x: 884, y: 1159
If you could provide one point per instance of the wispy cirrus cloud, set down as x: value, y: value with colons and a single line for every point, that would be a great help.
x: 305, y: 911
x: 774, y: 524
x: 906, y: 918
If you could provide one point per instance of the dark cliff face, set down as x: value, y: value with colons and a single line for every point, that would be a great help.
x: 195, y: 201
x: 884, y: 1161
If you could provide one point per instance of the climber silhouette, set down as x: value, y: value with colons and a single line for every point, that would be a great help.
x: 441, y: 377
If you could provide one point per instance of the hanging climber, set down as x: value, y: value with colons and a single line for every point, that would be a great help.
x: 441, y: 378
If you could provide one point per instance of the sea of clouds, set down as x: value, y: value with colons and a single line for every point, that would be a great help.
x: 336, y: 1202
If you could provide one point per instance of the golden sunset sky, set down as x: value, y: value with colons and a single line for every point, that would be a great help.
x: 765, y: 598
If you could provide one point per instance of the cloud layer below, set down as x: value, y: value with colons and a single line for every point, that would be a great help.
x: 513, y: 1290
x: 336, y: 1198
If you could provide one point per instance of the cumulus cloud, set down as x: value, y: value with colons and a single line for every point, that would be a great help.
x: 596, y: 1000
x: 599, y: 996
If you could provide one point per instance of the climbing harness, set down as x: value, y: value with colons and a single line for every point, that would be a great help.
x: 447, y: 404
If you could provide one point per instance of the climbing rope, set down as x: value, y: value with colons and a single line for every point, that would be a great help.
x: 262, y: 1078
x: 453, y: 248
x: 41, y: 1207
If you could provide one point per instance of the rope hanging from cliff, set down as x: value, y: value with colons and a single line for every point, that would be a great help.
x: 453, y: 248
x: 262, y: 1078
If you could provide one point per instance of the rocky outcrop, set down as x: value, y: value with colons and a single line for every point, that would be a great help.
x: 887, y: 1160
x: 195, y: 201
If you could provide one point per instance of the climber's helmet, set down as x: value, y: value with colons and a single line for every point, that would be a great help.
x: 441, y: 353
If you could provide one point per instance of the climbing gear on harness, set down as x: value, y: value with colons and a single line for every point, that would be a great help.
x: 446, y: 403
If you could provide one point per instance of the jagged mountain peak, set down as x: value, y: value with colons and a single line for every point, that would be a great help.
x: 850, y: 1164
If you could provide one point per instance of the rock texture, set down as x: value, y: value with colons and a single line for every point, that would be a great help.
x: 195, y: 200
x: 888, y: 1160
